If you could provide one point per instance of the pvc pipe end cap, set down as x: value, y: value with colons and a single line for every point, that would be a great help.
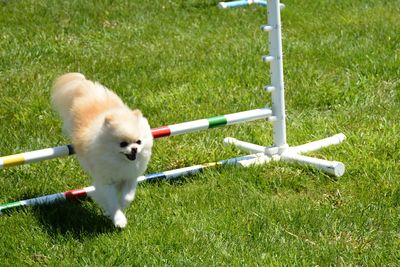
x: 229, y: 140
x: 269, y: 88
x: 341, y: 137
x: 222, y: 5
x: 267, y: 58
x: 338, y: 169
x: 266, y: 28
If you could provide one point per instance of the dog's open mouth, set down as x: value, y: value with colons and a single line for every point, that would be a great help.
x: 131, y: 156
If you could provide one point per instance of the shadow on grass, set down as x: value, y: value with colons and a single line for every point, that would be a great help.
x: 72, y: 219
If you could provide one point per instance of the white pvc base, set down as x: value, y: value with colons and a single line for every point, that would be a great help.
x: 293, y: 154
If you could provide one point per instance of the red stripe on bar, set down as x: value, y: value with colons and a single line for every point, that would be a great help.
x: 161, y: 131
x: 74, y: 194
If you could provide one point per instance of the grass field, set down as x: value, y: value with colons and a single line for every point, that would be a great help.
x: 185, y: 60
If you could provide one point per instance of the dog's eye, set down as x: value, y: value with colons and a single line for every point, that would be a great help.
x: 138, y: 142
x: 123, y: 144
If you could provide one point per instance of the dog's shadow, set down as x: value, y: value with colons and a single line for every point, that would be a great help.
x: 81, y: 219
x: 74, y: 219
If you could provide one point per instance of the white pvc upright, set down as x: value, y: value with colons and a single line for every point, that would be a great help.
x: 280, y: 150
x: 276, y: 69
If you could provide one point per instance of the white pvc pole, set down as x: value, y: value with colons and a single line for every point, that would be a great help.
x: 244, y: 146
x: 316, y: 145
x: 277, y: 85
x: 332, y: 167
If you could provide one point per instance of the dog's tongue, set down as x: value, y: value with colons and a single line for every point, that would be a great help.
x: 131, y: 156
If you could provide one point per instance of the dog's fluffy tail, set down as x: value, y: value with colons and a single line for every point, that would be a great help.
x: 65, y: 89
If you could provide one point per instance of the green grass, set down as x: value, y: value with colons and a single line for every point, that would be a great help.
x: 186, y: 60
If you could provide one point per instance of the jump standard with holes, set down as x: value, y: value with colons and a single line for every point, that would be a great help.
x: 259, y: 154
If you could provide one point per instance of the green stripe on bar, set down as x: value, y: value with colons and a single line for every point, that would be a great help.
x: 216, y: 121
x: 10, y: 205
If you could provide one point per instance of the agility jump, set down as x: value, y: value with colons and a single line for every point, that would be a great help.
x: 280, y: 150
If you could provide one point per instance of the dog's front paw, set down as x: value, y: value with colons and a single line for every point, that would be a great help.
x: 119, y: 219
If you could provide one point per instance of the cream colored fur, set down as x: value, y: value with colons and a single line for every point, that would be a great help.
x: 112, y: 142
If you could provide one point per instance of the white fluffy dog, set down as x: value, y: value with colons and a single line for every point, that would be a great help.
x: 112, y: 142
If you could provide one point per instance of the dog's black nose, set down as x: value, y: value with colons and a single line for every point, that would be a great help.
x: 133, y: 150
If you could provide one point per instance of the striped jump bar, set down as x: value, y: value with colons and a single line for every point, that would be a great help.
x: 48, y: 199
x: 86, y: 191
x: 213, y: 122
x: 164, y: 131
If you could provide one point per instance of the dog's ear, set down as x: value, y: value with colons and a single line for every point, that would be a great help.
x: 137, y: 113
x: 108, y: 120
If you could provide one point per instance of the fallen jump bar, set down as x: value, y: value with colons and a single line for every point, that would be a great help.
x: 86, y: 191
x: 164, y: 131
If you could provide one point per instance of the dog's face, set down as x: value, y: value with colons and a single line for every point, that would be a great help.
x: 127, y: 134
